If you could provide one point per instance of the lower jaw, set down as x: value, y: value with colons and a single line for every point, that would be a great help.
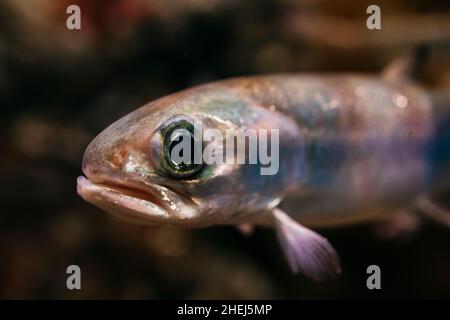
x: 121, y: 203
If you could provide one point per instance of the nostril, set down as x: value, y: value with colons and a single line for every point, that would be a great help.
x: 119, y: 157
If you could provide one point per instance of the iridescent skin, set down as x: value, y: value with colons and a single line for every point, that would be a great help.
x: 223, y: 194
x: 351, y: 147
x: 365, y: 142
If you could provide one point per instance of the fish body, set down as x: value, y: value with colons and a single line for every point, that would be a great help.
x: 351, y: 148
x: 365, y: 141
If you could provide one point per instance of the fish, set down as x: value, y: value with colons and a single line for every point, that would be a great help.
x: 352, y: 147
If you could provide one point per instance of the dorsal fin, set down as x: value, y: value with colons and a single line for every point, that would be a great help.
x: 408, y: 66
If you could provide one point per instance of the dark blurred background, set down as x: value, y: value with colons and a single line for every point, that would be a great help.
x: 59, y: 88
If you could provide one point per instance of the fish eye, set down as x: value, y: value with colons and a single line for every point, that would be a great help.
x: 181, y: 150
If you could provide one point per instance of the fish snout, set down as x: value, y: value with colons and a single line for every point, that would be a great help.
x: 100, y: 161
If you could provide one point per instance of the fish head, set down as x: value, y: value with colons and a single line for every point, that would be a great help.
x: 129, y: 170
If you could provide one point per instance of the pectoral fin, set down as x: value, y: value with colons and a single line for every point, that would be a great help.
x: 306, y: 251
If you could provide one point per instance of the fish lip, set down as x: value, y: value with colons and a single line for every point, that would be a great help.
x: 127, y: 188
x: 138, y: 205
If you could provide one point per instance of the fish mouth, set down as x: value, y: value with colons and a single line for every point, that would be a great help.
x: 125, y: 201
